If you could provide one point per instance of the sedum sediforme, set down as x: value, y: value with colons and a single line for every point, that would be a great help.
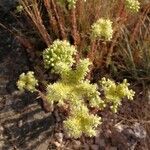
x: 73, y: 91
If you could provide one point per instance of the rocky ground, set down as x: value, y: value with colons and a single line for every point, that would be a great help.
x: 24, y: 125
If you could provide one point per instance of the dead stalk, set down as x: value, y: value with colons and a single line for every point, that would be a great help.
x: 139, y: 23
x: 58, y: 19
x: 52, y: 19
x: 91, y: 56
x: 75, y: 33
x: 122, y: 17
x: 34, y: 13
x: 47, y: 106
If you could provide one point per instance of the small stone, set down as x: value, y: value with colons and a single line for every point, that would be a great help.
x: 57, y: 116
x: 57, y: 144
x: 40, y: 138
x: 108, y: 133
x: 38, y: 116
x: 20, y: 123
x: 94, y: 147
x: 2, y: 143
x: 1, y: 137
x: 43, y: 146
x: 127, y: 136
x: 119, y: 128
x: 59, y: 137
x: 139, y: 131
x: 1, y: 129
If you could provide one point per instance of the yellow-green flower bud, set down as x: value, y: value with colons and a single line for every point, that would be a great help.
x: 102, y: 28
x: 59, y: 52
x: 27, y: 82
x: 132, y: 5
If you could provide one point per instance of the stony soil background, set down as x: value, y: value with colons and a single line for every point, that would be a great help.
x: 24, y: 125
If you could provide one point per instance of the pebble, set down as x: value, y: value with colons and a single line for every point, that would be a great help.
x: 38, y: 116
x: 2, y: 143
x: 59, y: 137
x: 1, y: 129
x: 57, y: 144
x: 1, y: 137
x: 1, y: 133
x: 20, y: 123
x: 43, y: 146
x: 57, y: 116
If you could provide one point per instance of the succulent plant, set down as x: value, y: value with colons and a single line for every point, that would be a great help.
x: 74, y: 91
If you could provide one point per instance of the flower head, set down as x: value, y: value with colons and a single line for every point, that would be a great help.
x: 27, y: 82
x: 102, y: 28
x: 132, y: 5
x: 59, y: 52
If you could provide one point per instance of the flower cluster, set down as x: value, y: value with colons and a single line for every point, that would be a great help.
x: 27, y: 82
x: 114, y: 93
x: 81, y: 121
x: 102, y: 28
x: 59, y: 52
x: 19, y: 8
x: 132, y: 5
x: 73, y: 88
